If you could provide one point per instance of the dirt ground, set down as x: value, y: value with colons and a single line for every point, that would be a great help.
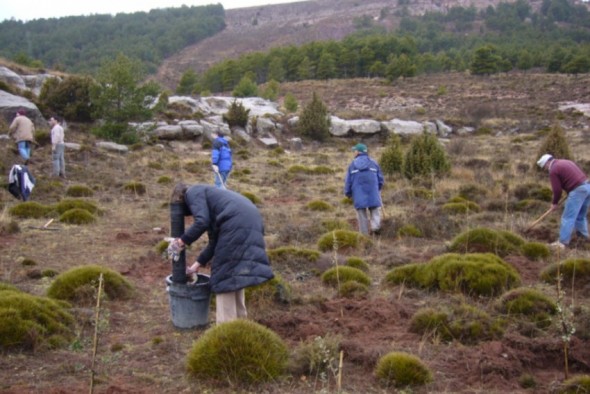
x: 139, y: 349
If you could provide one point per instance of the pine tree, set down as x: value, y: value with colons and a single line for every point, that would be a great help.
x: 314, y: 121
x: 391, y: 160
x: 555, y: 144
x: 426, y: 157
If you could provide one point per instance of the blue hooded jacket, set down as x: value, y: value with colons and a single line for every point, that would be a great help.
x: 363, y: 182
x: 236, y: 247
x: 221, y: 155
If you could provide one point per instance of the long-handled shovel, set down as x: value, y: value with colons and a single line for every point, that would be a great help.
x: 543, y: 216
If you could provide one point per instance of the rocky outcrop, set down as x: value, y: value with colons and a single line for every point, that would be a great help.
x: 9, y: 104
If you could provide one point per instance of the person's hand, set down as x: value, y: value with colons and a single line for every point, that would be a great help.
x: 174, y: 248
x: 193, y: 269
x: 554, y: 207
x: 215, y: 168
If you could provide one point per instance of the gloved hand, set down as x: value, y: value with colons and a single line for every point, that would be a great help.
x: 215, y: 168
x: 174, y: 248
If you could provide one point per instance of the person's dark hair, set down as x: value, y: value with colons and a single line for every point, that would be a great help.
x: 178, y: 193
x: 21, y: 111
x: 58, y: 118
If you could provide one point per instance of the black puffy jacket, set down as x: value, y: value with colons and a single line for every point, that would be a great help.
x: 236, y: 247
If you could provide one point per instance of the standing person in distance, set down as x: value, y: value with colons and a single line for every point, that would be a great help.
x: 363, y: 184
x: 57, y: 146
x: 236, y: 248
x: 221, y: 160
x: 566, y: 175
x: 22, y: 130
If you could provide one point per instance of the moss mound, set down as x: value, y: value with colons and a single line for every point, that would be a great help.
x: 483, y: 240
x: 79, y: 191
x: 291, y: 255
x: 342, y: 239
x: 475, y: 274
x: 274, y: 290
x: 575, y: 385
x: 29, y: 210
x: 573, y: 271
x: 464, y: 323
x: 401, y: 369
x: 319, y: 206
x: 135, y: 187
x: 71, y: 203
x: 536, y: 251
x: 79, y: 284
x: 29, y: 322
x: 358, y: 263
x: 343, y: 274
x: 529, y: 304
x: 77, y: 216
x: 240, y: 351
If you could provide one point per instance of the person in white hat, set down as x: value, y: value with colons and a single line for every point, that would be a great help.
x: 566, y: 175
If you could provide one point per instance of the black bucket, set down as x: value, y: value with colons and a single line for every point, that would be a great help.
x: 189, y: 302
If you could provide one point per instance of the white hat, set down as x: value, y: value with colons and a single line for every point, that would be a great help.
x: 544, y: 159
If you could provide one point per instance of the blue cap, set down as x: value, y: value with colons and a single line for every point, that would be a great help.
x: 360, y: 148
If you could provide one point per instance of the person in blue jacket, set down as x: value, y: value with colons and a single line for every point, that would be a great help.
x: 363, y: 184
x: 235, y: 251
x: 221, y: 160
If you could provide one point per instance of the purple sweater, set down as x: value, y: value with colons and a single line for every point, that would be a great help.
x: 564, y: 175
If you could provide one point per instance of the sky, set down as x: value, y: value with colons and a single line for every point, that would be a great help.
x: 26, y: 10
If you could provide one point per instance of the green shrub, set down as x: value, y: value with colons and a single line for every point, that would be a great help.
x: 575, y: 385
x: 29, y: 322
x: 246, y: 87
x: 79, y: 284
x: 409, y: 230
x: 536, y: 250
x: 342, y: 239
x: 391, y: 161
x: 426, y: 157
x: 7, y: 286
x: 458, y: 208
x: 319, y: 206
x: 358, y: 263
x: 476, y: 274
x: 555, y: 144
x: 401, y: 369
x: 77, y: 216
x: 29, y: 210
x: 292, y: 256
x: 353, y: 289
x: 464, y: 323
x: 290, y: 103
x: 238, y: 352
x: 79, y: 191
x: 573, y: 271
x: 343, y: 274
x: 164, y: 180
x: 274, y: 290
x: 530, y: 304
x: 236, y: 115
x: 66, y: 204
x: 335, y: 224
x: 527, y: 381
x: 252, y: 197
x: 482, y: 240
x: 316, y: 356
x: 314, y: 121
x: 472, y: 192
x: 68, y: 97
x: 135, y: 187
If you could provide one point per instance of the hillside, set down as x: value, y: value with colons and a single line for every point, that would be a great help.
x: 264, y: 27
x: 139, y: 351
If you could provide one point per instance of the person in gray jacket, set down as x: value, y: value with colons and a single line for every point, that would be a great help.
x: 236, y: 249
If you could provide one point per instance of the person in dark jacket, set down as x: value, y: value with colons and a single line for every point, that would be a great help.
x: 363, y: 184
x: 236, y: 249
x: 221, y: 160
x: 566, y: 175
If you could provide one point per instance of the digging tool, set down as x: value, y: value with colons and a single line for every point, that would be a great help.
x: 543, y: 216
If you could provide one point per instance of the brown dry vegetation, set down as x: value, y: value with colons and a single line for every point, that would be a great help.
x: 141, y: 352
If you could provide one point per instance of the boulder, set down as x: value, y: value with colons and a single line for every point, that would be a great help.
x: 443, y: 129
x: 34, y: 83
x: 113, y: 147
x: 364, y: 126
x: 11, y: 78
x: 339, y: 127
x: 10, y: 103
x: 269, y: 142
x: 265, y: 125
x: 403, y: 127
